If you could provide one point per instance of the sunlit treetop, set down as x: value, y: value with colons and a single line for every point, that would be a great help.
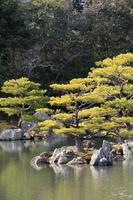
x: 20, y: 87
x: 101, y: 103
x: 22, y: 96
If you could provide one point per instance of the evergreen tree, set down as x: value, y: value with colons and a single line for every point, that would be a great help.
x: 23, y: 97
x: 101, y: 103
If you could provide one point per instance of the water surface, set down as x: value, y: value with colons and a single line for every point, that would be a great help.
x: 19, y: 181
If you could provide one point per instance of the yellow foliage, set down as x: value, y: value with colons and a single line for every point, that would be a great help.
x: 63, y: 100
x: 47, y: 124
x: 97, y: 111
x: 44, y: 110
x: 71, y: 130
x: 63, y: 116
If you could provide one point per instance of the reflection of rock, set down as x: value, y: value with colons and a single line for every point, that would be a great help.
x: 101, y: 173
x: 11, y: 134
x: 36, y: 167
x: 60, y: 169
x: 12, y: 146
x: 128, y: 162
x: 77, y: 161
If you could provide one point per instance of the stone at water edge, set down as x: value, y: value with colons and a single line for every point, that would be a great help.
x: 41, y: 159
x: 26, y: 136
x: 65, y: 157
x: 102, y: 157
x: 127, y: 148
x: 77, y: 161
x: 11, y: 134
x: 55, y: 156
x: 58, y: 151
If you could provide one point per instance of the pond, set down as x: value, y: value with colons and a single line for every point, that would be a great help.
x: 19, y: 181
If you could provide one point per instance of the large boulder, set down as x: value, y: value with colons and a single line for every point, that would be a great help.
x: 65, y: 157
x: 11, y: 134
x: 102, y: 157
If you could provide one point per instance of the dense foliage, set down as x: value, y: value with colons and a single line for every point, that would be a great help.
x: 55, y: 40
x: 101, y: 103
x: 23, y: 97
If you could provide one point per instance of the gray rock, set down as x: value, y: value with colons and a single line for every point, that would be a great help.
x: 42, y: 115
x: 77, y: 161
x: 59, y: 151
x: 27, y: 125
x: 107, y: 145
x: 39, y: 160
x: 65, y: 157
x: 26, y: 136
x: 55, y: 156
x: 127, y: 148
x: 11, y: 134
x: 102, y: 157
x: 45, y: 155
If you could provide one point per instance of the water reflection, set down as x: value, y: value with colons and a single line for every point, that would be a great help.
x: 19, y: 181
x: 19, y: 146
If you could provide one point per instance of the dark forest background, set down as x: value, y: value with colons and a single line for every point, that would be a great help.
x: 56, y: 40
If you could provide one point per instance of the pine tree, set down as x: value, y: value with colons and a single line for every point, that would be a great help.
x: 101, y: 103
x: 23, y: 97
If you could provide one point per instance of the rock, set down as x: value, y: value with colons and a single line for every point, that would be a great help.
x: 41, y: 159
x: 127, y: 148
x: 65, y: 157
x: 11, y: 134
x: 46, y: 155
x: 107, y: 145
x: 55, y: 156
x: 86, y: 154
x: 77, y: 161
x: 88, y: 143
x: 102, y: 157
x: 27, y: 125
x: 117, y: 149
x: 59, y: 151
x: 26, y: 136
x: 118, y: 158
x: 42, y: 115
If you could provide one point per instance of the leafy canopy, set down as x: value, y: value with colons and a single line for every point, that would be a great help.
x: 100, y: 103
x: 23, y: 97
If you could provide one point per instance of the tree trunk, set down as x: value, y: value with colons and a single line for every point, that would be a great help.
x: 79, y: 143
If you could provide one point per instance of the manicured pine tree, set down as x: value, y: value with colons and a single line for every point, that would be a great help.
x: 22, y: 98
x: 101, y: 103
